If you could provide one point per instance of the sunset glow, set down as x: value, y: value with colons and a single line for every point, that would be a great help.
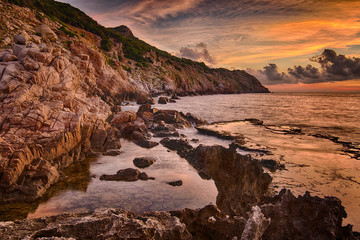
x: 241, y: 34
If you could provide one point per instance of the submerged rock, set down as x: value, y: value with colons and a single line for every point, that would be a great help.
x: 146, y: 144
x: 143, y: 162
x: 128, y: 175
x: 176, y: 183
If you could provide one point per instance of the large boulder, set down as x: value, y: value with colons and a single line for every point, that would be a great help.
x: 123, y: 117
x: 46, y: 33
x: 20, y: 39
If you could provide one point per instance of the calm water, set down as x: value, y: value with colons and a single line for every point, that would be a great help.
x: 313, y: 164
x: 317, y: 165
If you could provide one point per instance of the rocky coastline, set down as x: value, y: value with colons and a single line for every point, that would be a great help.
x: 61, y: 103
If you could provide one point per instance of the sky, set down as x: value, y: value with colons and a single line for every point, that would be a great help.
x: 289, y: 45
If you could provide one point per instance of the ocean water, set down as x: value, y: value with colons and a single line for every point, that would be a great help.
x: 312, y: 164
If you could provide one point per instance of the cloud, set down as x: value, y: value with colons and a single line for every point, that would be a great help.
x: 197, y: 52
x: 333, y: 67
x: 270, y: 75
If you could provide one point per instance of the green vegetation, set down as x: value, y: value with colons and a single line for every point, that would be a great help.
x: 133, y: 47
x: 67, y: 31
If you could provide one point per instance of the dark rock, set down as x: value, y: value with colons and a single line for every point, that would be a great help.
x: 272, y: 165
x: 128, y: 175
x: 143, y: 176
x: 326, y: 136
x: 195, y: 140
x: 254, y: 121
x: 143, y: 162
x: 163, y: 100
x: 145, y: 108
x: 146, y: 144
x: 240, y: 181
x: 181, y: 146
x: 164, y: 134
x: 305, y: 217
x: 176, y: 183
x: 171, y: 117
x: 112, y: 153
x: 143, y: 99
x: 172, y: 101
x: 192, y: 118
x: 175, y: 97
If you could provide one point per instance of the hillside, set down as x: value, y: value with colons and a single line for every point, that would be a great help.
x: 145, y: 67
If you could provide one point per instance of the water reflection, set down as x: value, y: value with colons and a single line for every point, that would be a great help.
x: 77, y: 180
x: 84, y: 191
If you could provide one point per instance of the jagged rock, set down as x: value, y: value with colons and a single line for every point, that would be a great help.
x: 171, y: 117
x: 163, y: 100
x: 123, y: 117
x: 46, y: 33
x: 143, y: 162
x: 176, y: 183
x: 100, y: 224
x: 241, y: 181
x: 192, y: 118
x: 20, y: 39
x: 305, y: 217
x: 256, y: 225
x: 128, y: 175
x: 181, y: 146
x: 271, y: 164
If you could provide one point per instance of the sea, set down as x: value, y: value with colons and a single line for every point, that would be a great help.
x: 316, y: 164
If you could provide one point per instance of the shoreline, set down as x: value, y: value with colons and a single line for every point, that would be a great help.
x: 229, y: 191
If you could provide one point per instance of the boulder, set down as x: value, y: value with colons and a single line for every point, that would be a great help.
x: 46, y: 33
x: 17, y: 49
x: 20, y: 39
x: 143, y: 99
x: 123, y: 117
x: 171, y: 117
x: 163, y: 100
x: 143, y: 162
x: 145, y: 108
x: 128, y: 175
x: 9, y: 58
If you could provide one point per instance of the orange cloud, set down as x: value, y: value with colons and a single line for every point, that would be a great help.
x: 344, y: 86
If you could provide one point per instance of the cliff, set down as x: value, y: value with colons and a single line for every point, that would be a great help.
x: 130, y: 60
